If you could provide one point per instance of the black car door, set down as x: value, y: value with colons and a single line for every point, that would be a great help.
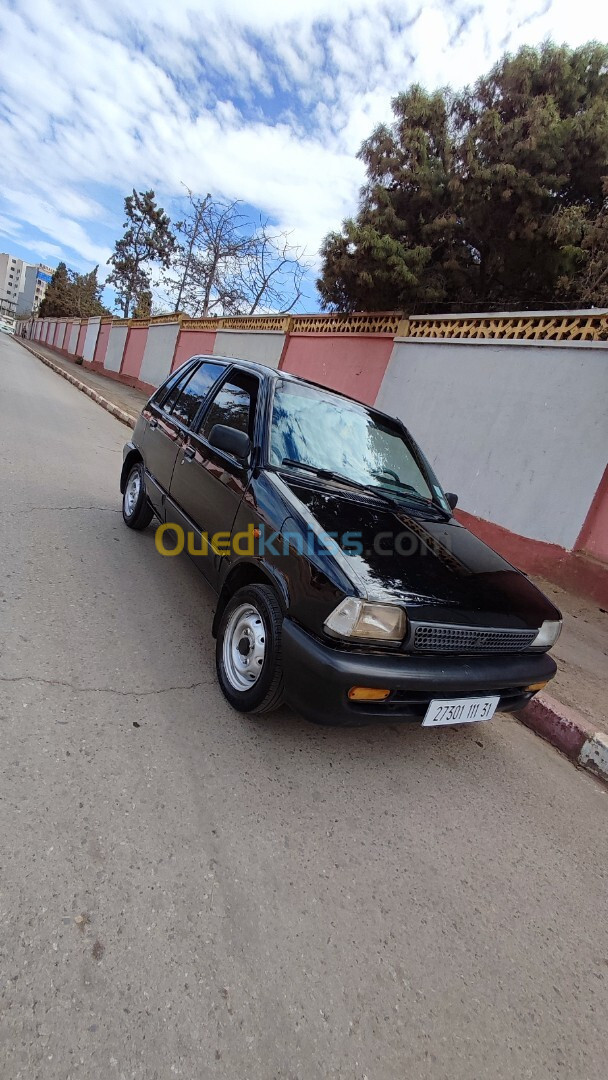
x: 160, y: 441
x: 207, y: 483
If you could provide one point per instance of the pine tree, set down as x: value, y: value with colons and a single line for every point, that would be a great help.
x: 57, y: 301
x: 485, y: 198
x: 147, y: 240
x: 72, y: 295
x: 143, y: 306
x: 87, y: 295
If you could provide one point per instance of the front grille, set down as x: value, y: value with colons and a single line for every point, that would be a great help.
x: 456, y: 639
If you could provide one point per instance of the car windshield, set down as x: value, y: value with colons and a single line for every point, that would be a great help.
x: 326, y: 432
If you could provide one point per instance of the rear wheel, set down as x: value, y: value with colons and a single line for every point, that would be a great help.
x: 136, y: 510
x: 248, y: 650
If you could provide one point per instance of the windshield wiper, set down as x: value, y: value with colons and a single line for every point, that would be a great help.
x: 371, y: 489
x: 407, y: 496
x: 323, y: 474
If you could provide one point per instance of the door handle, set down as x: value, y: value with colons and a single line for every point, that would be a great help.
x: 153, y: 422
x: 188, y: 454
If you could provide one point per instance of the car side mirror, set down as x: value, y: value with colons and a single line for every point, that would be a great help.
x: 452, y: 499
x: 231, y: 441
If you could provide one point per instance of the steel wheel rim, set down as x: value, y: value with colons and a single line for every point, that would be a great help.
x: 132, y: 492
x: 244, y: 647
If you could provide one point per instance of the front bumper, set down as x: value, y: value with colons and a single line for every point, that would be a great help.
x: 318, y: 678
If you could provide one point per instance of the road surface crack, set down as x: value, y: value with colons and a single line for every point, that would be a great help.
x: 103, y: 689
x: 37, y: 509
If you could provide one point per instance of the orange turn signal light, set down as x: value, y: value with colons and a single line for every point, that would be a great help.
x: 536, y: 686
x: 367, y: 693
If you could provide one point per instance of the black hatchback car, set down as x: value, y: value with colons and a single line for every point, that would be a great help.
x: 345, y: 585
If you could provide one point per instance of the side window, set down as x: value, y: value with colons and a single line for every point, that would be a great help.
x: 195, y: 392
x: 175, y: 391
x: 177, y: 379
x: 233, y: 406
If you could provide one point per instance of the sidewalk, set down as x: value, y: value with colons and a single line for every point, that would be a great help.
x: 574, y: 711
x: 582, y: 655
x: 124, y: 397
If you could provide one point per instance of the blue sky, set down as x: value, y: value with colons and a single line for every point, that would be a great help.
x: 262, y: 100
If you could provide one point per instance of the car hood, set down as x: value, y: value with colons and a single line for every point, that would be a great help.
x: 438, y: 568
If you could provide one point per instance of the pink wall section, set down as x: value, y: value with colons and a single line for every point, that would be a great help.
x: 193, y: 343
x: 134, y: 352
x: 594, y: 534
x: 102, y: 343
x: 82, y: 333
x: 58, y: 333
x: 353, y: 365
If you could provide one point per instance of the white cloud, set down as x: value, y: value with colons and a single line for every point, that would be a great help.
x: 261, y: 101
x: 44, y: 217
x: 48, y: 251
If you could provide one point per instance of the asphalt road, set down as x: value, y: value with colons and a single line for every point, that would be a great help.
x: 186, y: 892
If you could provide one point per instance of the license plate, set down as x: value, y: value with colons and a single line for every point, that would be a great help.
x: 468, y: 710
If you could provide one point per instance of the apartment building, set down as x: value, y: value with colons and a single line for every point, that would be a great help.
x: 35, y: 283
x: 12, y: 280
x: 22, y: 284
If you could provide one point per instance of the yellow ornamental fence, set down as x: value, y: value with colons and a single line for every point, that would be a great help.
x: 559, y: 326
x: 204, y: 323
x: 359, y: 322
x: 520, y: 326
x: 256, y: 322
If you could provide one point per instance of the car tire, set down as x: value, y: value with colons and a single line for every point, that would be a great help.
x: 248, y: 650
x: 136, y: 510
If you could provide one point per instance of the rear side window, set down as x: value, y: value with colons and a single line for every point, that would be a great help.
x: 174, y: 390
x: 195, y: 391
x: 178, y: 376
x: 233, y: 405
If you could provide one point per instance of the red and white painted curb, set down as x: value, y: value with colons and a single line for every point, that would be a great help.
x: 570, y: 732
x: 109, y: 406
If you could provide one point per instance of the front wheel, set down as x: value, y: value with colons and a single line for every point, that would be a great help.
x: 248, y: 650
x: 136, y: 510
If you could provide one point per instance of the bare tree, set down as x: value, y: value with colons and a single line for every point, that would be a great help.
x: 225, y: 263
x: 272, y: 274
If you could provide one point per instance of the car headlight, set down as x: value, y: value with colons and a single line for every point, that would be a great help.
x: 548, y: 634
x: 357, y: 619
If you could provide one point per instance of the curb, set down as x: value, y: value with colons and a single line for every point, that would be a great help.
x: 109, y: 406
x: 569, y: 732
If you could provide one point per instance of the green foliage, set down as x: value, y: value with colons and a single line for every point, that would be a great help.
x: 58, y: 298
x: 147, y: 240
x: 72, y: 295
x: 493, y: 197
x: 87, y: 295
x: 592, y: 266
x: 143, y: 305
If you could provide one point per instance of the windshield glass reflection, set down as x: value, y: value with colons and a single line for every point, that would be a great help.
x: 328, y: 432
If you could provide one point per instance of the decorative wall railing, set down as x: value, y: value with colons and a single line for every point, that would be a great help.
x: 359, y: 322
x: 517, y: 326
x: 559, y: 326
